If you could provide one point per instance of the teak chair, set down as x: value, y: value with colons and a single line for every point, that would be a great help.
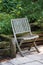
x: 22, y: 32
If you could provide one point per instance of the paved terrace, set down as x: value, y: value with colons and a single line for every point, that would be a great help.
x: 34, y: 59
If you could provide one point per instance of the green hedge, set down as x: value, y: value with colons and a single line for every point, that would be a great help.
x: 5, y: 23
x: 33, y: 9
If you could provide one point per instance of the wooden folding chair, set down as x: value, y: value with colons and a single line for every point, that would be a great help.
x: 22, y: 32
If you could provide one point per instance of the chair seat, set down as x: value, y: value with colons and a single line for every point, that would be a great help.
x: 28, y: 37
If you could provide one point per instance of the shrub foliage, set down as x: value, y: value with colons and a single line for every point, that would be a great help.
x: 33, y: 9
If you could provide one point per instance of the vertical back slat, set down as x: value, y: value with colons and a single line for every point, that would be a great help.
x: 21, y: 25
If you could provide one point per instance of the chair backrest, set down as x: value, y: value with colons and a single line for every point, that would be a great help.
x: 20, y: 25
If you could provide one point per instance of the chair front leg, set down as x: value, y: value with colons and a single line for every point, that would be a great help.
x: 36, y: 46
x: 19, y: 49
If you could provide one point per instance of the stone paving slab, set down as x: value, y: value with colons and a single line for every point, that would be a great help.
x: 33, y: 63
x: 36, y: 59
x: 21, y: 60
x: 35, y: 56
x: 6, y: 63
x: 41, y: 61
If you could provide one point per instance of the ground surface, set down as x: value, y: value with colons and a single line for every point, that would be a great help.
x: 29, y: 59
x: 31, y: 52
